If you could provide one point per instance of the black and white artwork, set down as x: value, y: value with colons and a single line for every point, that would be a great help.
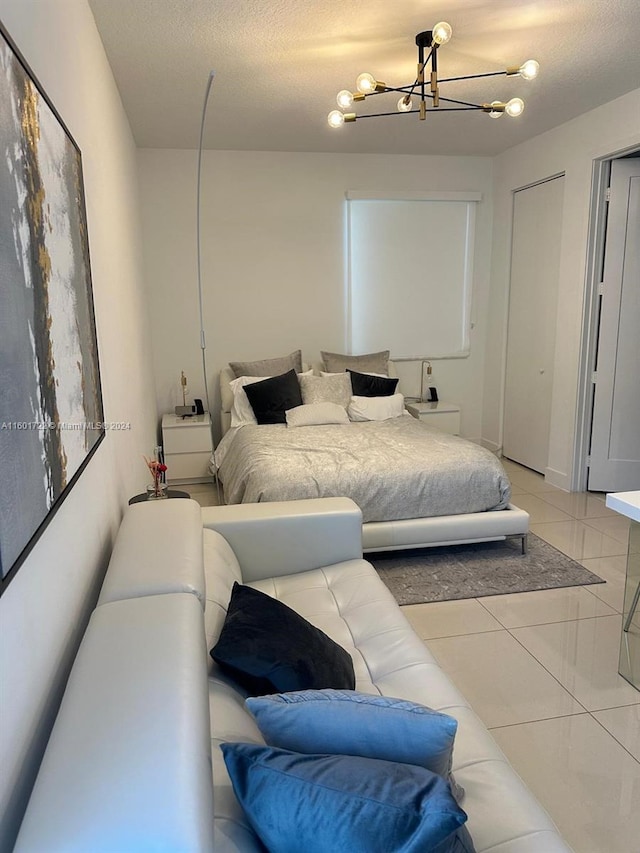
x: 51, y: 416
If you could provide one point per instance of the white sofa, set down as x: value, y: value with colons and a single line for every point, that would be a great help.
x: 129, y: 763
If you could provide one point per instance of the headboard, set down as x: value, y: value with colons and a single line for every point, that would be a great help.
x: 226, y: 394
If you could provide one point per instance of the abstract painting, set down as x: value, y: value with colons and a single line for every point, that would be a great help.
x: 51, y: 415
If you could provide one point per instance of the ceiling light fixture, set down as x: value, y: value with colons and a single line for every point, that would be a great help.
x: 426, y: 87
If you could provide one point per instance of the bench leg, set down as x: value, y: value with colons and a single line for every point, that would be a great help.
x: 524, y: 544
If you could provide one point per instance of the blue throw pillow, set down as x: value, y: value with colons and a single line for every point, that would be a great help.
x: 328, y: 803
x: 352, y: 723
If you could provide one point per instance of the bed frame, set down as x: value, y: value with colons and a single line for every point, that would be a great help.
x: 419, y: 532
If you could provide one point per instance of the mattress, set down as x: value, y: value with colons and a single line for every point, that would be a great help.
x: 395, y: 469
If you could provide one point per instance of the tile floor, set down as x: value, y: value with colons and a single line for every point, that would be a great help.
x: 541, y: 670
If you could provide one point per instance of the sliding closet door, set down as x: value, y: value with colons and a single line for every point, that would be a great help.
x: 531, y: 335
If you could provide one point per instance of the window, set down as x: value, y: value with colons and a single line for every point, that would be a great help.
x: 410, y: 269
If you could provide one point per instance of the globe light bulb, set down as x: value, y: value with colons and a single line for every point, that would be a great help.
x: 496, y: 113
x: 514, y: 107
x: 344, y: 99
x: 529, y: 69
x: 405, y: 104
x: 366, y: 83
x: 335, y: 118
x: 442, y: 32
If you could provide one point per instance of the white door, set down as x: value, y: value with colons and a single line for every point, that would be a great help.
x: 531, y: 333
x: 615, y: 429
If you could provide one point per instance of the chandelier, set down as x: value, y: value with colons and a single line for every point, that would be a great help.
x: 426, y: 87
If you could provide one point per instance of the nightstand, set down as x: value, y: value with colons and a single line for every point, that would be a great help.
x: 187, y: 448
x: 444, y: 416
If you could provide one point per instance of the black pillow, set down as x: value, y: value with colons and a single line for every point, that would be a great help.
x: 271, y: 398
x: 269, y: 648
x: 365, y: 385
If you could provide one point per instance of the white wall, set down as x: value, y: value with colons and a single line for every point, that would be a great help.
x: 570, y: 149
x: 273, y: 237
x: 44, y: 608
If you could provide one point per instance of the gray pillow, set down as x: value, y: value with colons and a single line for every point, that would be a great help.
x: 373, y: 362
x: 268, y: 366
x: 326, y: 389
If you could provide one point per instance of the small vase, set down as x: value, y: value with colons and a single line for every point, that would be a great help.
x: 157, y: 492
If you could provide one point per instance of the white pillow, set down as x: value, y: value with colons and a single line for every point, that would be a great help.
x: 376, y: 408
x: 242, y: 411
x: 313, y: 414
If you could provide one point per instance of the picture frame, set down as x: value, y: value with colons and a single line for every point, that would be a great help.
x: 51, y: 408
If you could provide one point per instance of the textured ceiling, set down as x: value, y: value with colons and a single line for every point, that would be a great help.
x: 279, y: 64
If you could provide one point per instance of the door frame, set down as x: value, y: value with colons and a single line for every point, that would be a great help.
x: 598, y: 212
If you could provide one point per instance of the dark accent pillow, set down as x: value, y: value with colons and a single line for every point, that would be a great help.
x: 271, y: 398
x: 365, y: 385
x: 269, y: 648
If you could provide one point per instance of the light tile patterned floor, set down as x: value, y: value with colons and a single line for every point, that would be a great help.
x: 541, y: 670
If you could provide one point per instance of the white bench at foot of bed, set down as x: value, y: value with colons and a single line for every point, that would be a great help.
x: 446, y: 530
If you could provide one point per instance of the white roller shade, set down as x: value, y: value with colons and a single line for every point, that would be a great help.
x: 410, y: 268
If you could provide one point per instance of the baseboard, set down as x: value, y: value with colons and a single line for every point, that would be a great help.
x: 558, y: 479
x: 490, y: 445
x: 474, y: 440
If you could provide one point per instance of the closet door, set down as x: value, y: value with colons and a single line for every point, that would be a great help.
x: 531, y: 333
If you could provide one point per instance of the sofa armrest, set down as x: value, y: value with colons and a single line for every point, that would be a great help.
x: 285, y: 537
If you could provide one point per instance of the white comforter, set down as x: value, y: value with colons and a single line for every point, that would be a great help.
x: 393, y: 469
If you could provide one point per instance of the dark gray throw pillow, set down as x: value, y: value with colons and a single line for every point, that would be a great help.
x: 271, y: 398
x: 365, y: 385
x: 269, y: 648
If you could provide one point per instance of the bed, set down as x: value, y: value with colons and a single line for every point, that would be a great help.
x: 416, y: 485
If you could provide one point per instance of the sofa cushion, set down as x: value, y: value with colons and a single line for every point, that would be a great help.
x: 339, y: 802
x: 221, y: 571
x: 269, y: 648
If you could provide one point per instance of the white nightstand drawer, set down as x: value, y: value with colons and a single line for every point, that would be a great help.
x: 187, y: 440
x: 187, y: 466
x: 441, y: 415
x: 187, y: 447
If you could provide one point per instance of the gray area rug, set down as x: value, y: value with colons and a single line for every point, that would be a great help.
x: 473, y: 571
